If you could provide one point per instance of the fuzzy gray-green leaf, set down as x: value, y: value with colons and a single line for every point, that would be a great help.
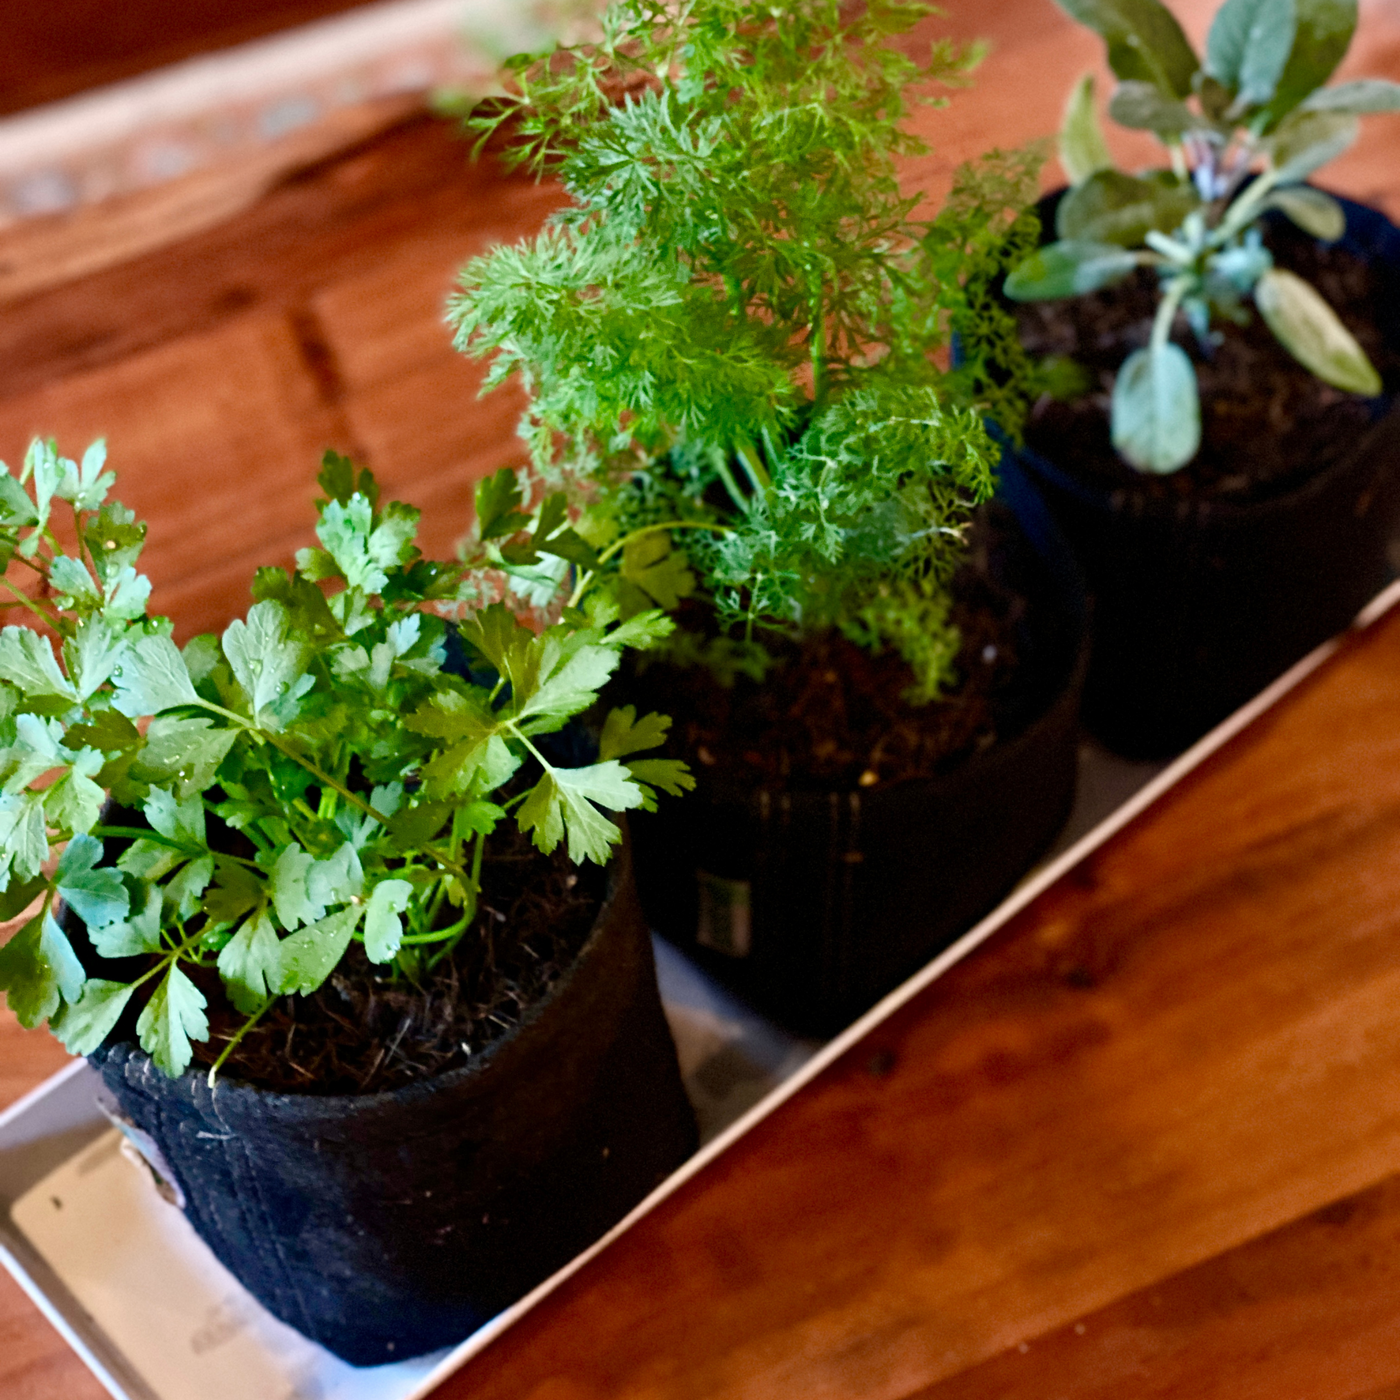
x: 1156, y: 409
x: 1249, y: 45
x: 1308, y: 328
x: 1145, y: 107
x: 1313, y: 211
x: 1112, y: 207
x: 1068, y: 268
x: 1082, y: 147
x: 1144, y: 41
x: 1308, y: 140
x: 1361, y: 97
x: 1324, y: 31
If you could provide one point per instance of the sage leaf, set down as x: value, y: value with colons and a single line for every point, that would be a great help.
x: 1361, y: 97
x: 1144, y: 41
x: 84, y: 1024
x: 1306, y: 141
x: 383, y: 927
x: 1313, y: 211
x: 171, y: 1019
x: 1248, y: 46
x: 1082, y: 148
x: 308, y: 957
x: 1156, y: 415
x: 1308, y: 328
x: 1324, y: 32
x: 1144, y: 107
x: 1067, y: 268
x: 1112, y: 207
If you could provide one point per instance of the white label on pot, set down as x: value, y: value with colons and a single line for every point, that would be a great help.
x: 725, y: 924
x: 137, y: 1268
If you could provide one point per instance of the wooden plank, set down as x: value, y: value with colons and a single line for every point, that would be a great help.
x: 1306, y: 1310
x: 332, y: 223
x: 1187, y: 1043
x: 51, y: 52
x: 216, y: 441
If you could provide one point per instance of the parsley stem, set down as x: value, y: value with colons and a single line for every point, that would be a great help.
x: 353, y: 798
x: 25, y: 601
x: 133, y: 833
x: 238, y: 1035
x: 632, y: 535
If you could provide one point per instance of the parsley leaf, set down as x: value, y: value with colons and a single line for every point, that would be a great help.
x: 171, y: 1019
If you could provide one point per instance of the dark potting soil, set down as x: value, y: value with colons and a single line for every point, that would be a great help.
x: 1266, y: 422
x: 830, y: 714
x: 365, y: 1031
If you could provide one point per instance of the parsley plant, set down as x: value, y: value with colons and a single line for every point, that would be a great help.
x: 311, y: 779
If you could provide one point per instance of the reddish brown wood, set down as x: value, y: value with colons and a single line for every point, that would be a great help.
x: 1164, y: 1106
x: 54, y: 51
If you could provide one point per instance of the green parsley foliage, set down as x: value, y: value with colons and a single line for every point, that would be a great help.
x: 731, y: 340
x: 310, y: 779
x: 1244, y: 127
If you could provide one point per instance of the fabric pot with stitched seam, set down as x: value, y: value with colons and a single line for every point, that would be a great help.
x: 391, y: 1224
x: 812, y: 904
x: 1200, y: 604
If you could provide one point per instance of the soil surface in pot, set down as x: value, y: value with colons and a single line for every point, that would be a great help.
x: 1266, y: 422
x: 364, y: 1031
x: 831, y: 715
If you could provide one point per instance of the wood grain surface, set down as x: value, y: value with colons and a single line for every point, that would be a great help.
x: 1144, y: 1143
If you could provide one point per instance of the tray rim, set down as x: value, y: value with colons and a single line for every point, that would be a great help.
x: 90, y: 1348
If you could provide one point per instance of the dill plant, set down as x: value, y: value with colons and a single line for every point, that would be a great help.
x: 733, y: 339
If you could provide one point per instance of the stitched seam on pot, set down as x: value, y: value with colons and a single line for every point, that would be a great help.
x: 289, y: 1288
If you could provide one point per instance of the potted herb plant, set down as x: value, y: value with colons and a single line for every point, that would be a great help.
x: 1220, y: 338
x: 731, y: 342
x: 339, y: 939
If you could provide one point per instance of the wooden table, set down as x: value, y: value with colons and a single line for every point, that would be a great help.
x: 1145, y: 1142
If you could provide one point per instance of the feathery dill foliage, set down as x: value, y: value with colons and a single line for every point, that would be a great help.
x: 734, y: 325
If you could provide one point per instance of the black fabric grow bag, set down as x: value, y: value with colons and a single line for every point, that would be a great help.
x: 813, y: 904
x: 1199, y: 605
x: 391, y: 1224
